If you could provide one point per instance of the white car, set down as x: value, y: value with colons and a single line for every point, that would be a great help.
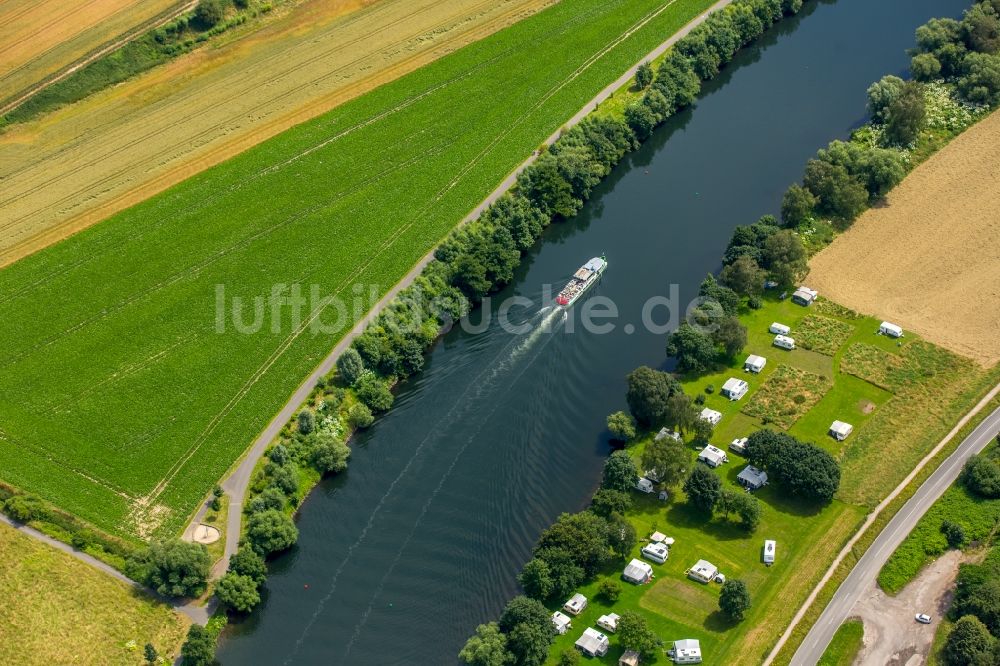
x: 923, y: 618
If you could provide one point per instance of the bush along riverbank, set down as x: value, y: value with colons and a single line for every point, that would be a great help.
x: 208, y: 19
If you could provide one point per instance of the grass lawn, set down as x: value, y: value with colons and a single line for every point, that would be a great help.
x: 808, y: 537
x: 845, y: 644
x: 119, y: 399
x: 57, y: 610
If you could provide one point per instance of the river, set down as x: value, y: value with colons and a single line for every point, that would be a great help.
x: 402, y: 556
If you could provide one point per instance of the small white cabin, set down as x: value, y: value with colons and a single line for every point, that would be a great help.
x: 687, y: 651
x: 710, y: 415
x: 608, y: 622
x: 784, y: 342
x: 713, y: 456
x: 739, y: 445
x: 805, y: 296
x: 561, y: 622
x: 644, y: 485
x: 893, y: 331
x: 779, y: 329
x: 593, y: 643
x: 638, y: 572
x: 840, y: 430
x: 752, y: 478
x: 576, y: 604
x: 703, y: 571
x: 769, y: 547
x: 656, y: 552
x: 734, y: 388
x: 754, y: 363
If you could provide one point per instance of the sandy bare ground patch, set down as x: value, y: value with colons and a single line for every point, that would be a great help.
x: 87, y: 161
x: 929, y: 260
x: 40, y: 37
x: 892, y: 635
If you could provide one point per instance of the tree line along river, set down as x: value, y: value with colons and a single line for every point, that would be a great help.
x: 421, y: 539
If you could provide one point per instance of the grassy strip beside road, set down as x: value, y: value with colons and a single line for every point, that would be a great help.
x: 845, y: 644
x: 164, y: 403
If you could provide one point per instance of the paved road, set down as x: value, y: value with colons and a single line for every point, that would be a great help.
x: 198, y: 614
x: 236, y: 484
x: 866, y: 570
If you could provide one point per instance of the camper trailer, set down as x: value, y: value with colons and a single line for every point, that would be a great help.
x: 804, y: 296
x: 769, y: 547
x: 687, y: 651
x: 779, y: 329
x: 754, y: 363
x: 644, y: 485
x: 734, y: 388
x: 739, y: 445
x: 713, y: 456
x: 784, y: 342
x: 893, y: 331
x: 656, y: 552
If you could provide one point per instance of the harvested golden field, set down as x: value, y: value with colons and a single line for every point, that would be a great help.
x: 86, y: 161
x: 929, y: 258
x: 40, y: 37
x: 58, y: 610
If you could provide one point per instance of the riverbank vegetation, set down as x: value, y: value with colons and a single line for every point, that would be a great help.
x: 208, y: 19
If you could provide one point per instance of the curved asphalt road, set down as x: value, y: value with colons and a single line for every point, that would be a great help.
x: 867, y: 568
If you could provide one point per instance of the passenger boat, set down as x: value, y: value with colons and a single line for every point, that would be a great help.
x: 583, y: 279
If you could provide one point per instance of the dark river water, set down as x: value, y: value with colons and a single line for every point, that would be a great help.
x: 401, y: 557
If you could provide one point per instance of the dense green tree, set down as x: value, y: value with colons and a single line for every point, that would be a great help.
x: 360, y: 416
x: 905, y: 116
x: 199, y: 648
x: 565, y: 573
x: 247, y: 562
x: 667, y: 459
x: 569, y: 657
x: 647, y: 394
x: 744, y: 505
x: 714, y: 293
x: 680, y: 414
x: 269, y: 498
x: 731, y: 335
x: 982, y: 476
x: 488, y: 647
x: 606, y: 502
x: 983, y: 601
x: 584, y: 536
x: 841, y: 196
x: 374, y: 393
x: 703, y: 489
x: 634, y: 634
x: 643, y: 76
x: 621, y: 426
x: 734, y: 600
x: 283, y: 477
x: 173, y: 568
x: 881, y: 95
x: 620, y: 472
x: 522, y: 609
x: 208, y: 13
x: 545, y: 187
x: 271, y: 531
x: 980, y: 82
x: 621, y: 535
x: 24, y: 508
x: 657, y: 104
x: 925, y: 67
x: 350, y: 366
x: 981, y: 28
x: 694, y: 350
x: 536, y: 579
x: 529, y: 630
x: 329, y: 454
x: 953, y: 534
x: 609, y: 590
x: 641, y: 119
x: 237, y: 592
x: 803, y: 470
x: 677, y: 80
x: 743, y: 276
x: 785, y: 258
x: 701, y: 430
x: 150, y: 654
x: 306, y: 421
x: 968, y: 644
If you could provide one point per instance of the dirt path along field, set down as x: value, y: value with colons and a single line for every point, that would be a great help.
x: 929, y: 258
x: 40, y: 37
x: 87, y: 161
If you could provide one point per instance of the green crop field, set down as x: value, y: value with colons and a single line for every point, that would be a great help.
x: 930, y: 389
x: 120, y: 402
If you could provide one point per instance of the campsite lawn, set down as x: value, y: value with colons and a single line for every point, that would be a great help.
x: 58, y: 610
x: 119, y: 399
x: 893, y: 429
